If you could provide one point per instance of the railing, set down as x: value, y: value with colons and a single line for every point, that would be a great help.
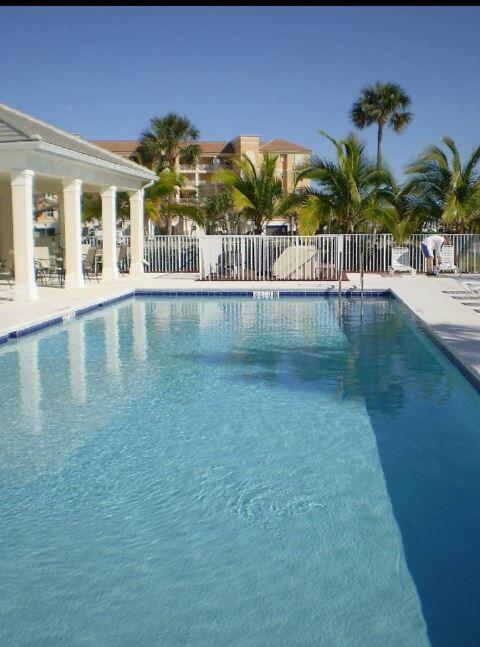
x: 466, y: 250
x: 200, y: 167
x: 259, y: 258
x: 171, y: 254
x: 263, y: 258
x: 93, y: 241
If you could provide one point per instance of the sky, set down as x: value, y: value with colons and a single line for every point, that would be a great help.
x: 279, y: 72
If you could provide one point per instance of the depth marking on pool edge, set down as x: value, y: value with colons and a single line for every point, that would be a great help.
x: 266, y: 294
x: 70, y: 316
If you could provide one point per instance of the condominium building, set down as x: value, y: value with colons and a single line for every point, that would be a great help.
x: 199, y: 179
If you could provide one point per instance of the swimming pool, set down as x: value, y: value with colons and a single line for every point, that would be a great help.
x: 203, y: 472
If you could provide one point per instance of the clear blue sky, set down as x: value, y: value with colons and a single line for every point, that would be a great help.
x: 277, y: 72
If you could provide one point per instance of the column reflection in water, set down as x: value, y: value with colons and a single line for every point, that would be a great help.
x: 139, y: 330
x: 76, y: 353
x: 112, y: 340
x: 30, y: 385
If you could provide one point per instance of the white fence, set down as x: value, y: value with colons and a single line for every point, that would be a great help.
x: 259, y: 258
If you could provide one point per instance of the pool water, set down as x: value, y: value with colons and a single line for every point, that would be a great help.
x: 211, y: 472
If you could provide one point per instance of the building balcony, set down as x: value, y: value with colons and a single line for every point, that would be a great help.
x: 191, y: 184
x: 187, y: 168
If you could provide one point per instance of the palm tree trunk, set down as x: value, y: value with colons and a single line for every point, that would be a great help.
x: 379, y: 145
x: 379, y: 159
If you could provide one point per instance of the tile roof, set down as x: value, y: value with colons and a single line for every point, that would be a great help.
x: 282, y: 146
x: 127, y: 147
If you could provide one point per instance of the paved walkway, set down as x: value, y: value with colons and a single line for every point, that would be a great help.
x: 455, y: 325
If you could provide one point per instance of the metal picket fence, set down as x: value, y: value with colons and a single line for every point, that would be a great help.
x: 283, y: 258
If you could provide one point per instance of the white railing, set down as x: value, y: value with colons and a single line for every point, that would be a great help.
x: 200, y: 167
x: 262, y: 258
x: 171, y: 254
x: 259, y: 258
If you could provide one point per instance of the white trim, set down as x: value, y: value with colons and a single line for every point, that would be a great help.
x: 45, y: 147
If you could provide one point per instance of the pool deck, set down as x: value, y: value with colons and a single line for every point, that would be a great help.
x: 454, y: 325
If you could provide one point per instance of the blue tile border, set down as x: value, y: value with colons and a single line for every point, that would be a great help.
x: 22, y: 332
x: 250, y: 293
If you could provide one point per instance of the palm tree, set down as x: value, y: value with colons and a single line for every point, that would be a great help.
x: 218, y: 207
x: 256, y: 193
x: 160, y: 207
x: 346, y: 193
x: 402, y: 213
x: 168, y: 137
x: 448, y: 190
x: 92, y: 206
x: 382, y: 104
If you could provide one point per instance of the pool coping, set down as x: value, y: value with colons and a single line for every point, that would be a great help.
x: 70, y: 314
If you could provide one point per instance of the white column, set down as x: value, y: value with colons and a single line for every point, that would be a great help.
x: 61, y: 216
x: 109, y: 231
x: 72, y: 214
x: 22, y: 215
x: 137, y: 235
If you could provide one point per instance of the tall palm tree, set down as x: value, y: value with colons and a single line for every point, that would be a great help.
x: 168, y: 137
x: 346, y: 193
x: 382, y: 104
x: 448, y: 190
x: 160, y: 207
x: 256, y: 192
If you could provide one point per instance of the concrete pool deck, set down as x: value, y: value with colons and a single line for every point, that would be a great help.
x: 454, y: 325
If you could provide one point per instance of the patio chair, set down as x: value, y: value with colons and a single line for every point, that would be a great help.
x: 44, y: 264
x: 122, y: 258
x: 89, y: 263
x: 6, y: 270
x: 230, y: 263
x: 401, y: 261
x: 448, y: 260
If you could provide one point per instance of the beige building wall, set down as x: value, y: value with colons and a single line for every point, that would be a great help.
x: 199, y: 179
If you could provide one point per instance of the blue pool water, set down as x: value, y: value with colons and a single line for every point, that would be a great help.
x: 203, y: 472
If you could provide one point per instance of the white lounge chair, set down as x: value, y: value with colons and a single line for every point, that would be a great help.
x: 448, y: 260
x: 401, y: 261
x: 296, y: 262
